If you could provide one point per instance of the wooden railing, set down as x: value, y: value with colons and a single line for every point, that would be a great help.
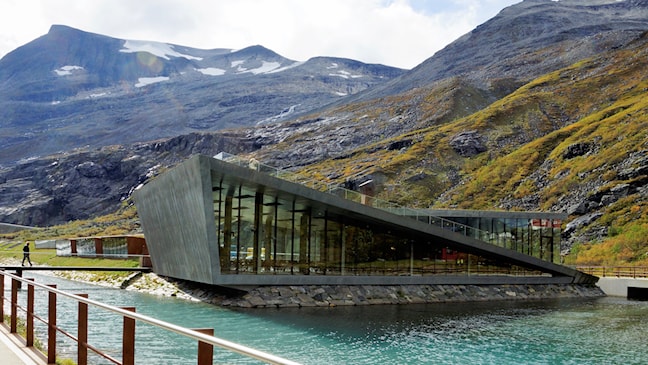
x: 205, y: 338
x: 615, y: 271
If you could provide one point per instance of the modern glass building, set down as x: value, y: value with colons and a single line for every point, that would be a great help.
x: 232, y: 222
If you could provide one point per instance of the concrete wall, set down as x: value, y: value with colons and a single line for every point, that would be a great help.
x: 618, y: 287
x: 176, y: 212
x: 45, y: 244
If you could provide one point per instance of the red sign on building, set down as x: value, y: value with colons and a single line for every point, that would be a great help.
x: 545, y: 223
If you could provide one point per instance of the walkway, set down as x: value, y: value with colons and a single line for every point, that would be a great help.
x: 13, y: 350
x: 72, y: 268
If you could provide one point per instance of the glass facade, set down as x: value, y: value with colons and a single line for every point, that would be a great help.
x: 531, y: 236
x: 111, y: 247
x: 270, y: 233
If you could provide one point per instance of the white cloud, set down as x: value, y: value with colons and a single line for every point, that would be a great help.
x: 399, y: 33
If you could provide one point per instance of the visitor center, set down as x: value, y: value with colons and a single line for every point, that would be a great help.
x: 235, y: 222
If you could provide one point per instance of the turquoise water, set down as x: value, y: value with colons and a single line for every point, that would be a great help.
x: 601, y: 331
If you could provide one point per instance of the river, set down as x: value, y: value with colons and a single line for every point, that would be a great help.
x: 594, y: 331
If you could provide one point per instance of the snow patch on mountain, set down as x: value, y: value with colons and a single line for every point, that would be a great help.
x: 236, y: 63
x: 67, y: 70
x: 281, y: 116
x: 265, y: 68
x: 157, y: 49
x: 294, y: 64
x: 143, y: 81
x: 211, y: 71
x: 345, y: 75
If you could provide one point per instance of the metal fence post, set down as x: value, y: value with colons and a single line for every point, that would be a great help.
x: 51, y: 326
x: 29, y: 326
x: 205, y: 350
x: 82, y: 345
x: 128, y: 339
x: 2, y: 298
x: 14, y: 306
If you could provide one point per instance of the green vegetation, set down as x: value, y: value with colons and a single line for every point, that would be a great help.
x: 121, y: 222
x: 627, y: 247
x: 48, y: 257
x: 600, y: 101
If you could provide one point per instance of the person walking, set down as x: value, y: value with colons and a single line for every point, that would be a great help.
x: 26, y: 254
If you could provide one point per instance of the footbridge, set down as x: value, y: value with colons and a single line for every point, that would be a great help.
x: 19, y: 268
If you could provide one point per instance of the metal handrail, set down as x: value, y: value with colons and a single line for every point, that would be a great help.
x: 615, y: 271
x: 228, y: 345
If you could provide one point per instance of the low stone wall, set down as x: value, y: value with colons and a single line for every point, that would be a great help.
x: 329, y: 296
x: 339, y: 295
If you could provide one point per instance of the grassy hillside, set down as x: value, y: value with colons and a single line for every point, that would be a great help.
x: 124, y: 221
x: 601, y: 103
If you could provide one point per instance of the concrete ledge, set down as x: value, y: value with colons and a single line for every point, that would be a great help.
x: 618, y: 287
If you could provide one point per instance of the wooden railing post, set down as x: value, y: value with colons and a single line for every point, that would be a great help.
x: 205, y: 350
x: 14, y: 306
x: 51, y: 327
x: 2, y: 298
x: 29, y: 326
x: 128, y: 339
x: 82, y: 345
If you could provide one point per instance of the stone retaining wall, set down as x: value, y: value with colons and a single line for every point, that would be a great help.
x: 336, y: 295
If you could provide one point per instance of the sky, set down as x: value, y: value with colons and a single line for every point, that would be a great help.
x: 399, y: 33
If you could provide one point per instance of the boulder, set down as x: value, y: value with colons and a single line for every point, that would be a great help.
x: 468, y: 144
x: 585, y: 220
x: 577, y: 149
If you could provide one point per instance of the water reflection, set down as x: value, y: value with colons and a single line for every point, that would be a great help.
x: 601, y: 331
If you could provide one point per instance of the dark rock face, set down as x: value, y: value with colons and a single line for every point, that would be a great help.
x: 399, y: 145
x: 577, y: 149
x: 87, y: 184
x: 468, y: 144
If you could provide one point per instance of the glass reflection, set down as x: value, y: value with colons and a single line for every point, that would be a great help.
x: 264, y: 234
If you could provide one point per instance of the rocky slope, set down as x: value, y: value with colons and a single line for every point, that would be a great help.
x: 554, y: 120
x: 70, y: 89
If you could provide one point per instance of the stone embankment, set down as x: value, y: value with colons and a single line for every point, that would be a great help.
x: 330, y: 296
x: 343, y: 295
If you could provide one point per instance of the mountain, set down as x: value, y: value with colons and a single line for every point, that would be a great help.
x: 554, y: 119
x: 524, y: 41
x: 70, y: 89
